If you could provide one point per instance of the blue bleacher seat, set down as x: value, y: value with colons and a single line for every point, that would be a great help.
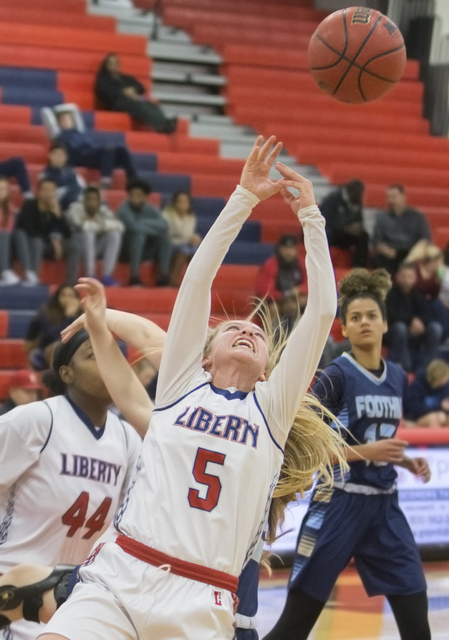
x: 166, y: 182
x: 20, y: 297
x: 145, y: 161
x: 19, y: 322
x: 30, y: 96
x: 250, y: 232
x: 249, y: 253
x: 18, y: 77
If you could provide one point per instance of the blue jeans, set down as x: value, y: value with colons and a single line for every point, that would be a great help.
x: 413, y: 352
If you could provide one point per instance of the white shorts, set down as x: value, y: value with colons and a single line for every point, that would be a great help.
x: 123, y: 598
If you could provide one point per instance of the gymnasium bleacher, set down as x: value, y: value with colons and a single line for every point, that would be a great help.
x: 50, y: 53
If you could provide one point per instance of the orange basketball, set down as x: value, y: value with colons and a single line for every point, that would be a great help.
x: 357, y: 55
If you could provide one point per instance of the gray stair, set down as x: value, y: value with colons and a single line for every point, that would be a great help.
x: 186, y: 82
x: 183, y: 52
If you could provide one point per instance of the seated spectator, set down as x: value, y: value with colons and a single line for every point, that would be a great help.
x: 120, y: 92
x: 181, y: 219
x: 69, y: 183
x: 24, y: 388
x: 397, y: 230
x: 16, y: 168
x: 7, y: 219
x: 343, y: 210
x: 413, y: 336
x: 147, y: 233
x: 283, y: 275
x: 85, y: 152
x: 98, y: 233
x: 42, y: 231
x: 43, y: 334
x: 426, y: 400
x: 427, y: 260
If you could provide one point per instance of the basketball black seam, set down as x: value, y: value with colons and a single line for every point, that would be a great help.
x: 375, y: 75
x: 340, y: 54
x: 358, y: 66
x: 355, y: 57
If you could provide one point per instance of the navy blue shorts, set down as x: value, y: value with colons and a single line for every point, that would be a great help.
x: 371, y: 529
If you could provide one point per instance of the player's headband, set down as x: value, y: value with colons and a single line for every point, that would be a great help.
x: 65, y: 351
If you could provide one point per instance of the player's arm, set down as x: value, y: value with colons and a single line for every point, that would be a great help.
x: 142, y: 334
x: 126, y: 390
x: 187, y: 333
x: 418, y: 466
x: 283, y: 394
x: 25, y: 584
x: 24, y: 432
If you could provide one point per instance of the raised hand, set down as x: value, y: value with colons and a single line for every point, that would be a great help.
x: 93, y: 303
x: 293, y: 179
x: 256, y: 172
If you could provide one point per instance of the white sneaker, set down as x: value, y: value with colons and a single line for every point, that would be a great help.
x: 31, y: 279
x: 9, y: 278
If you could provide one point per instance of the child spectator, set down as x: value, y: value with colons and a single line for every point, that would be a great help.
x: 426, y: 400
x: 41, y: 230
x: 24, y: 388
x: 120, y: 92
x: 147, y: 233
x: 7, y: 218
x: 98, y: 232
x: 43, y: 334
x: 16, y: 168
x: 69, y: 183
x: 84, y: 152
x: 182, y: 224
x: 413, y: 336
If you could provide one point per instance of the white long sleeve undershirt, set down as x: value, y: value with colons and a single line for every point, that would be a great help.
x: 281, y: 396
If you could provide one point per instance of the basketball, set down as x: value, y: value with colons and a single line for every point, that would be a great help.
x: 357, y: 55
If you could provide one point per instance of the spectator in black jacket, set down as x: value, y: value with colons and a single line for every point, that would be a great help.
x: 70, y: 185
x: 24, y: 387
x: 343, y: 210
x: 426, y: 399
x: 85, y: 152
x: 120, y: 92
x: 42, y: 231
x: 413, y: 336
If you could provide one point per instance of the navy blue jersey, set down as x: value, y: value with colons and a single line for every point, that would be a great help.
x: 369, y: 405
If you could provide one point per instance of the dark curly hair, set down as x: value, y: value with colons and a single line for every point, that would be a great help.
x: 360, y: 283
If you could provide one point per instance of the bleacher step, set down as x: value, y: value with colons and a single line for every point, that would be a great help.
x: 183, y: 53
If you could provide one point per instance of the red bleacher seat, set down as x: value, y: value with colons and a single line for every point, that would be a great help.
x: 72, y: 38
x: 42, y: 57
x: 12, y: 354
x: 4, y: 322
x: 33, y: 15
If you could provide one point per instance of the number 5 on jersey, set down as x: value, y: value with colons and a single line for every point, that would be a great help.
x: 213, y: 483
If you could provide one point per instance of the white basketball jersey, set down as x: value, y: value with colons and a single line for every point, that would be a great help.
x: 61, y: 481
x: 208, y: 469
